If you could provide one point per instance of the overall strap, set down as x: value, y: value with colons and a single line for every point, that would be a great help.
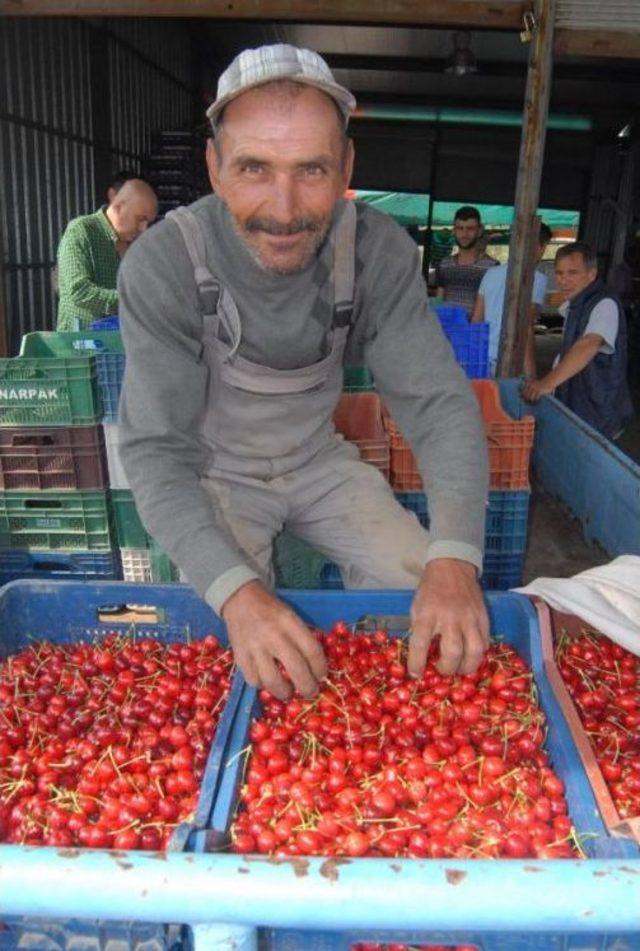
x: 344, y: 256
x: 217, y: 304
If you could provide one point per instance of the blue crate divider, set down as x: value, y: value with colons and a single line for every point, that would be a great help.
x: 70, y: 612
x: 512, y: 618
x: 57, y: 565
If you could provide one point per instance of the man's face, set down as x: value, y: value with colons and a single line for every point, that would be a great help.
x: 280, y: 167
x: 467, y: 232
x: 573, y: 275
x: 134, y: 217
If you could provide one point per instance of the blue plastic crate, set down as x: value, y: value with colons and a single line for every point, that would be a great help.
x: 106, y: 323
x: 506, y: 523
x: 452, y: 315
x: 501, y: 572
x: 58, y: 565
x: 471, y: 347
x: 506, y: 520
x: 512, y: 618
x: 70, y: 611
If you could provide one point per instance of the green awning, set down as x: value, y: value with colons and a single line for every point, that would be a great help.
x: 409, y: 208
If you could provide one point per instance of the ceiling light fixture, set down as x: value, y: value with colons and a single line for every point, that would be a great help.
x: 461, y: 60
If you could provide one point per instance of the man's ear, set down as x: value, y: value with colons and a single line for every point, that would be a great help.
x: 213, y: 164
x: 349, y: 157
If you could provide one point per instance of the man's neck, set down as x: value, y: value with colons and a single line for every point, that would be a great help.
x: 468, y: 255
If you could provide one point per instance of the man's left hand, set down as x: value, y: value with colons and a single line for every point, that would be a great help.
x: 536, y: 389
x: 448, y: 603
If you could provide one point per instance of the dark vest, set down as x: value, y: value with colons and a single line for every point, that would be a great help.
x: 599, y: 393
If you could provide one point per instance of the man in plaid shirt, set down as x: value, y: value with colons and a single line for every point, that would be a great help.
x: 90, y: 251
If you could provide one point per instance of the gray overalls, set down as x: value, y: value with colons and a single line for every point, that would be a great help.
x: 276, y: 458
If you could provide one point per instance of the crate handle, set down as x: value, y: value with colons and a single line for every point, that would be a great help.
x: 53, y: 565
x: 34, y: 440
x: 124, y: 612
x: 22, y: 373
x: 43, y: 503
x: 390, y: 622
x: 88, y: 344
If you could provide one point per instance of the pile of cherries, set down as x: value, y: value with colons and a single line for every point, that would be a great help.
x: 104, y: 745
x: 603, y: 680
x: 379, y: 764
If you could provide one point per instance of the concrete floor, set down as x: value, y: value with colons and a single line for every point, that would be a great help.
x: 556, y: 547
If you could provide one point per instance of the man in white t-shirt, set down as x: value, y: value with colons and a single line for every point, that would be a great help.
x: 489, y: 306
x: 590, y: 374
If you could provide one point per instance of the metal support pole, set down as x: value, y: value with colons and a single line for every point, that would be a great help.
x: 534, y: 122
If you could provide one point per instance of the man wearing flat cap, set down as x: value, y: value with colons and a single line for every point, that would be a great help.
x: 238, y: 315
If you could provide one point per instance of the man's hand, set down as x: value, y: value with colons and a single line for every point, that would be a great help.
x: 448, y: 602
x: 534, y: 390
x: 262, y: 631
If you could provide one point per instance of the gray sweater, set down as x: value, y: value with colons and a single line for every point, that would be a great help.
x: 394, y: 333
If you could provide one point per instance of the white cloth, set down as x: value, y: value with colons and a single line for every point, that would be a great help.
x: 607, y: 598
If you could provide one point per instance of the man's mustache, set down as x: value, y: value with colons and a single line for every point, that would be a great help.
x: 276, y: 228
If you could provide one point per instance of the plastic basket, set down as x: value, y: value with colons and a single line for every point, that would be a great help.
x: 506, y: 523
x: 552, y: 624
x: 297, y: 564
x: 47, y: 389
x: 513, y: 619
x: 70, y: 566
x: 470, y: 342
x: 509, y: 444
x: 106, y: 323
x: 71, y: 612
x: 104, y: 346
x: 452, y: 315
x: 358, y: 417
x: 54, y: 457
x: 128, y: 527
x: 502, y: 571
x: 147, y: 565
x: 357, y: 380
x: 54, y: 520
x: 509, y: 440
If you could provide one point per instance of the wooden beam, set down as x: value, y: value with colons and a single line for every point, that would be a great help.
x: 486, y: 14
x: 517, y: 302
x: 621, y: 44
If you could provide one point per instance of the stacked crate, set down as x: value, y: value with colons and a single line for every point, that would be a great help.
x: 470, y: 342
x: 509, y: 443
x: 54, y: 520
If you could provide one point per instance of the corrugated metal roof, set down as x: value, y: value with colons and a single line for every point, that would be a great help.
x: 614, y: 15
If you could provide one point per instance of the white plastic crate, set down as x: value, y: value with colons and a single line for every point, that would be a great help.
x: 147, y: 566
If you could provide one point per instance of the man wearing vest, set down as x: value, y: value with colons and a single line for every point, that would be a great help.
x: 590, y: 374
x: 238, y: 315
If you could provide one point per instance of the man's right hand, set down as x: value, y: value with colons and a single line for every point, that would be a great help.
x: 264, y: 631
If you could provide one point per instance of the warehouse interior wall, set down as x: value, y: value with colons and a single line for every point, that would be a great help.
x: 79, y: 99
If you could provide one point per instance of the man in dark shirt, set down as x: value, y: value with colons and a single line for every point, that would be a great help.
x: 458, y: 276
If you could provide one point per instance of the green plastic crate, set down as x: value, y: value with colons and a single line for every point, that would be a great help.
x: 70, y: 521
x: 43, y: 387
x: 129, y: 530
x: 357, y: 380
x: 296, y: 564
